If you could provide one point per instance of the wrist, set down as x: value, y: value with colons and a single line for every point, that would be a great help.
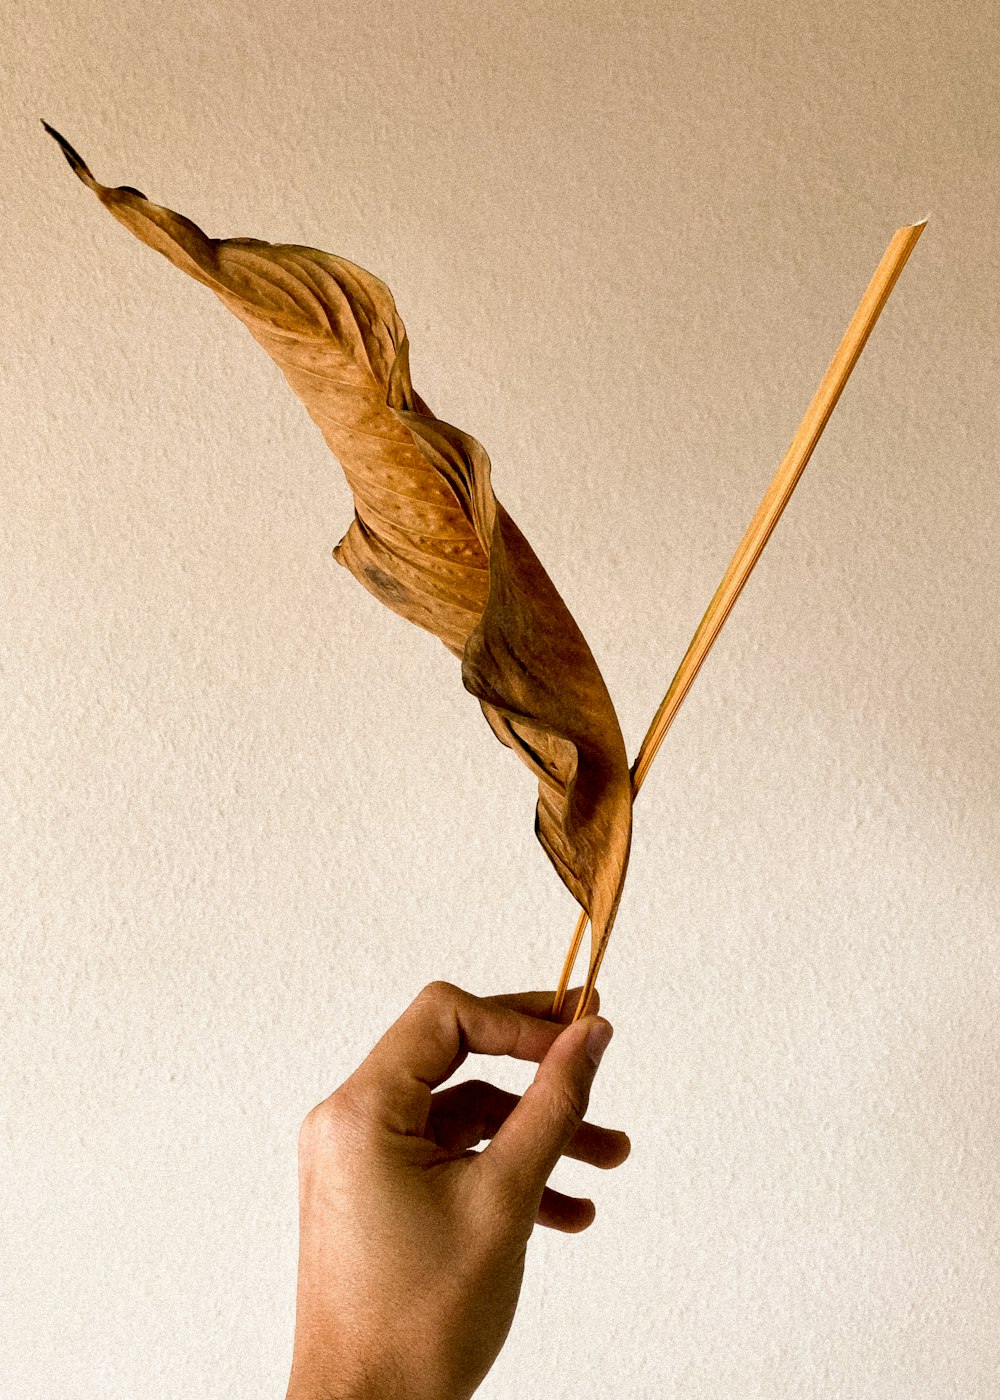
x: 330, y: 1382
x: 311, y: 1389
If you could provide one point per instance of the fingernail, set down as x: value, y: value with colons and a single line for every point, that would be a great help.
x: 597, y: 1040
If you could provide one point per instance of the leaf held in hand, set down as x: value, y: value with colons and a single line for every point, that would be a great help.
x: 429, y: 538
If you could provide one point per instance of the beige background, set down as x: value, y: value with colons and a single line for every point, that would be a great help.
x: 246, y: 813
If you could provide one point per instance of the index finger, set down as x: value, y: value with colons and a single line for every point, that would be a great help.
x: 540, y: 1003
x: 432, y: 1038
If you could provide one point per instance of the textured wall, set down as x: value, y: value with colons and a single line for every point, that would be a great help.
x: 245, y: 813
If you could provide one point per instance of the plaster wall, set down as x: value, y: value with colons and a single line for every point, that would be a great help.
x: 245, y: 813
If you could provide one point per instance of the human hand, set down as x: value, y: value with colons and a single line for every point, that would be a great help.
x: 412, y: 1243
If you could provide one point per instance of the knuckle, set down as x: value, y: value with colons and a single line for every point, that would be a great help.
x: 311, y: 1130
x: 323, y: 1125
x: 571, y: 1104
x: 476, y: 1088
x: 438, y: 992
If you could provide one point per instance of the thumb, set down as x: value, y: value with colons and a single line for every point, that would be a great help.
x: 537, y: 1131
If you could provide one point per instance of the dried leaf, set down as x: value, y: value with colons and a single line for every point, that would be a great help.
x: 429, y: 538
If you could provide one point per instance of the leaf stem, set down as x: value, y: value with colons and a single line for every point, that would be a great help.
x: 751, y: 546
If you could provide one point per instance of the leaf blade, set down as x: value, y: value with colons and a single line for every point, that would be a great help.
x: 429, y: 538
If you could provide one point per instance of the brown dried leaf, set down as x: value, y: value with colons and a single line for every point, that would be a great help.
x: 429, y: 538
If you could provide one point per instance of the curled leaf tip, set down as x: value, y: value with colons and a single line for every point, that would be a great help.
x: 80, y: 167
x: 76, y: 162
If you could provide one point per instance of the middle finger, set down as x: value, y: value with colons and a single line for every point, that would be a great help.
x: 465, y: 1114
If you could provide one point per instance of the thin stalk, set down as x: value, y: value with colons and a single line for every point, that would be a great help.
x: 751, y: 547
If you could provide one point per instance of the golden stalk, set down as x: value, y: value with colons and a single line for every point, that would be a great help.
x: 750, y: 548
